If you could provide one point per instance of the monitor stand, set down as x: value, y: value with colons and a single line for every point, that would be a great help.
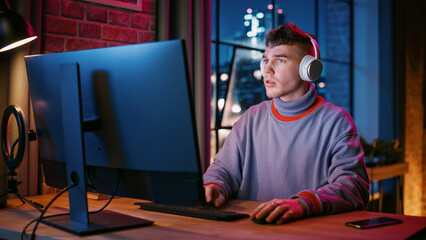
x: 80, y: 221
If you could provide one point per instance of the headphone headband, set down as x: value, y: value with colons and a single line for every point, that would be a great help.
x: 315, y: 44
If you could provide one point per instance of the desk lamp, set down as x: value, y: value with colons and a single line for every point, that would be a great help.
x: 15, y: 31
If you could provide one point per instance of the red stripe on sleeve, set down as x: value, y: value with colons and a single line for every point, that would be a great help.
x: 314, y: 200
x: 217, y: 185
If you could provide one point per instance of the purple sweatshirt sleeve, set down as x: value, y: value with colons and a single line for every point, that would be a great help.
x: 348, y: 185
x: 225, y: 171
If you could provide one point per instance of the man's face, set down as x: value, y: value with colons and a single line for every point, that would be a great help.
x: 281, y: 72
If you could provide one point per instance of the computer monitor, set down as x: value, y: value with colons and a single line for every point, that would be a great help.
x: 151, y: 139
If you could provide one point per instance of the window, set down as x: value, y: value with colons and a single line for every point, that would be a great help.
x: 238, y: 32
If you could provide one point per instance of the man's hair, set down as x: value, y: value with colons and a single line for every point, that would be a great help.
x: 288, y: 34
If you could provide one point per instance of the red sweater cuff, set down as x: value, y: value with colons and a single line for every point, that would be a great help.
x: 314, y: 200
x: 217, y: 185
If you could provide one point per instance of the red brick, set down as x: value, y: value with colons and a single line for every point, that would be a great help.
x: 146, y: 36
x: 90, y: 30
x: 115, y: 44
x: 119, y: 34
x: 141, y: 21
x: 119, y: 18
x: 72, y: 9
x: 147, y: 6
x: 61, y: 25
x: 97, y: 14
x: 51, y: 7
x: 54, y: 43
x: 81, y: 44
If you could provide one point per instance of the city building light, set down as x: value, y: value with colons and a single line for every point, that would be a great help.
x: 257, y: 74
x: 236, y: 108
x: 220, y: 104
x: 224, y: 77
x: 213, y: 78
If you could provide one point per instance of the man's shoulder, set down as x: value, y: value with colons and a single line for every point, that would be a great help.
x: 330, y: 108
x: 256, y: 112
x: 336, y: 116
x: 262, y: 106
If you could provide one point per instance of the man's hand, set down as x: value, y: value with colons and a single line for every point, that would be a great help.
x: 213, y: 195
x: 279, y: 210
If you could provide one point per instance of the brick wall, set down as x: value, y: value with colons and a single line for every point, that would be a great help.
x: 69, y: 25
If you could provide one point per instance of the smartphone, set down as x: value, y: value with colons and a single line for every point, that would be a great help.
x: 373, y: 222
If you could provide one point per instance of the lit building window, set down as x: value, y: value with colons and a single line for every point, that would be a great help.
x: 236, y: 108
x: 224, y: 77
x: 220, y: 104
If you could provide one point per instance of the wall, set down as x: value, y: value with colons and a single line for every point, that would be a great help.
x: 14, y: 91
x: 75, y: 25
x: 366, y: 68
x: 367, y: 88
x: 415, y: 101
x: 337, y: 46
x: 69, y: 25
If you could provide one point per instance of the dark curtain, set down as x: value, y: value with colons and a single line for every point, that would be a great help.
x: 190, y: 20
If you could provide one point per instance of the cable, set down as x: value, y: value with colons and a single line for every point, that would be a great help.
x: 89, y: 178
x: 12, y: 149
x: 45, y: 209
x: 112, y: 195
x: 23, y: 233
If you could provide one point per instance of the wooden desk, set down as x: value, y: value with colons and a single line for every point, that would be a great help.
x: 387, y: 171
x: 16, y: 216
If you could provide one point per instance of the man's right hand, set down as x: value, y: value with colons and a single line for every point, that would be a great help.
x: 214, y: 196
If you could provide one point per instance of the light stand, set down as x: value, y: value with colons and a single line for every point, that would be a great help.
x: 8, y: 150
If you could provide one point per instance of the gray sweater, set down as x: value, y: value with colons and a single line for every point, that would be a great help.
x: 307, y: 149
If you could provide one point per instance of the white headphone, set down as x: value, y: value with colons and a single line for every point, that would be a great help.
x: 310, y: 68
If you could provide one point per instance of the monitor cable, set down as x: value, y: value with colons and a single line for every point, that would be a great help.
x: 38, y: 220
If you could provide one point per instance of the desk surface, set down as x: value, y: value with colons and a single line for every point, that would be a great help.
x: 17, y: 215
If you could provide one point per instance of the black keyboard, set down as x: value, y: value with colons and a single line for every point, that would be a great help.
x: 191, y: 211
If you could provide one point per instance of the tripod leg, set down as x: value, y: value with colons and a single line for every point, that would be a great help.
x: 20, y: 197
x: 37, y: 205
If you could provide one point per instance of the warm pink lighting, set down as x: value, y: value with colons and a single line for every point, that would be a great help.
x: 280, y: 11
x: 270, y: 6
x: 249, y: 10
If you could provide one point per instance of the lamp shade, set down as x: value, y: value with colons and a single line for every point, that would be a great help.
x: 14, y: 29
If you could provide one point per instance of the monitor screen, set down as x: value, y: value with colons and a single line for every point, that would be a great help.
x: 150, y: 99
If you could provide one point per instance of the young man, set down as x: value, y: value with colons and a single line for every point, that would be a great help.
x: 297, y: 153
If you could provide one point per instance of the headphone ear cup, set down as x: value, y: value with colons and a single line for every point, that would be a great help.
x: 310, y: 68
